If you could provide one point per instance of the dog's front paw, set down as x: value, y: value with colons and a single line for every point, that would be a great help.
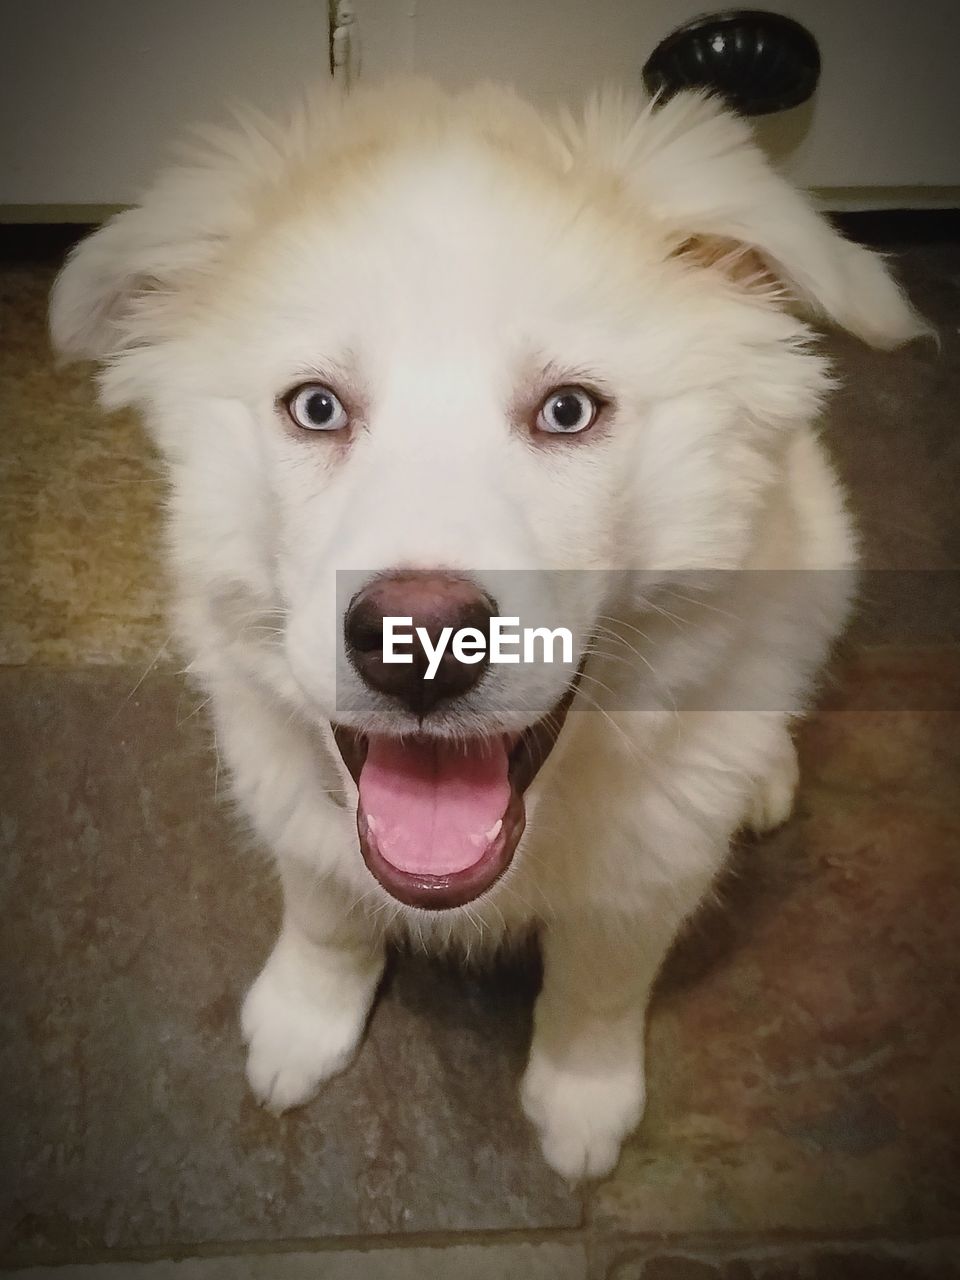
x: 582, y: 1119
x: 774, y: 794
x: 298, y: 1037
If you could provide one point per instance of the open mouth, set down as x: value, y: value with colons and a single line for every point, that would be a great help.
x: 439, y: 821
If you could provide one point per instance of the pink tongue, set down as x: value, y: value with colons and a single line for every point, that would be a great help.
x: 434, y: 808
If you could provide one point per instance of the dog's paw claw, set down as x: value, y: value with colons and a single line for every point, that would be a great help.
x: 577, y: 1159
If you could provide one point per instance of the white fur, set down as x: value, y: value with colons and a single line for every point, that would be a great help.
x: 445, y: 257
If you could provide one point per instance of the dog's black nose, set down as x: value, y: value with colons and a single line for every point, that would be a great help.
x: 433, y: 601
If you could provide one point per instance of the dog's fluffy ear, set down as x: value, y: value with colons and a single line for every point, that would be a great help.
x: 120, y: 285
x: 109, y: 273
x: 695, y: 167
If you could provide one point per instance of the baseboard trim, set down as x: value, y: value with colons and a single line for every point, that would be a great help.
x: 871, y: 199
x: 37, y: 214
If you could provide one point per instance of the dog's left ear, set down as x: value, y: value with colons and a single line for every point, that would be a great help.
x: 696, y: 168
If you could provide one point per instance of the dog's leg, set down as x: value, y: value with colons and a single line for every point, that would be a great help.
x: 304, y: 1016
x: 774, y: 793
x: 584, y: 1084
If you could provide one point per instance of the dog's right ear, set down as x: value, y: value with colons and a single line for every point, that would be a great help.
x: 121, y: 288
x: 119, y: 283
x: 102, y: 280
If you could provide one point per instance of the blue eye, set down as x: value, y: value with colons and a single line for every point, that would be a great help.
x: 567, y: 411
x: 315, y: 408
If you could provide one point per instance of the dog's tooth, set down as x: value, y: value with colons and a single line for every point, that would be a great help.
x: 371, y: 823
x: 479, y: 841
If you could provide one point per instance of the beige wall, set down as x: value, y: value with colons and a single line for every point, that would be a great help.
x: 91, y: 91
x: 885, y: 115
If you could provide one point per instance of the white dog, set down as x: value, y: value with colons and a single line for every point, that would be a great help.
x: 454, y: 347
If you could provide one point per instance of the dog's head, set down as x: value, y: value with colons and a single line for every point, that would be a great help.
x: 412, y: 356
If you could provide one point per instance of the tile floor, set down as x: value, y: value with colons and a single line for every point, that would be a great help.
x: 805, y: 1043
